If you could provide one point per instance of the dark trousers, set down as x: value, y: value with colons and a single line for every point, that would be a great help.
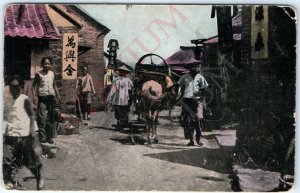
x: 190, y: 119
x: 45, y: 117
x: 121, y: 114
x: 85, y: 102
x: 19, y: 151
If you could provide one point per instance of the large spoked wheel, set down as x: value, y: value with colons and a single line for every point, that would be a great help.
x: 151, y: 59
x: 148, y: 65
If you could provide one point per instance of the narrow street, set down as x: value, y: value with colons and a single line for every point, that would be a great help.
x: 100, y: 158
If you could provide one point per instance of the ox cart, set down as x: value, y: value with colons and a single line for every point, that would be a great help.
x: 154, y: 91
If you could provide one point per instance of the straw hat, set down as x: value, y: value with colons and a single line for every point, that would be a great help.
x: 123, y: 68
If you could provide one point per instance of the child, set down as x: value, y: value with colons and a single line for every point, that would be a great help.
x: 20, y: 138
x: 86, y: 88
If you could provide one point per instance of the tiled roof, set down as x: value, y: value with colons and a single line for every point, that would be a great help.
x: 183, y: 57
x: 28, y: 20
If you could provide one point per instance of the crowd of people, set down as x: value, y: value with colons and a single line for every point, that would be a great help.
x: 26, y: 130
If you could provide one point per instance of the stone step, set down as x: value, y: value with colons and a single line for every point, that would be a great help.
x: 255, y: 180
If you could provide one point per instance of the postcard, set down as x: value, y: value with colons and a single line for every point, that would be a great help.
x: 149, y: 97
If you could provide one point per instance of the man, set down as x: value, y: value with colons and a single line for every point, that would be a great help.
x: 192, y: 86
x: 108, y: 80
x: 86, y: 88
x: 21, y: 144
x: 119, y: 97
x: 45, y: 86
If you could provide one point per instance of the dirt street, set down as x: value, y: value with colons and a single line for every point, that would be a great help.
x: 100, y: 158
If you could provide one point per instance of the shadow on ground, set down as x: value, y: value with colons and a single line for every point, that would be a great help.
x: 126, y: 140
x: 217, y: 160
x: 210, y: 178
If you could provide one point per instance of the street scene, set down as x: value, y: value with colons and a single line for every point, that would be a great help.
x: 137, y: 97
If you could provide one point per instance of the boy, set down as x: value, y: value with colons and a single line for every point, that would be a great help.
x: 20, y: 138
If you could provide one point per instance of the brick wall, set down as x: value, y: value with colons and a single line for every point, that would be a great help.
x: 90, y: 35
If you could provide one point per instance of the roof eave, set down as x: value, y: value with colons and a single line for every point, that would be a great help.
x: 67, y: 16
x: 105, y: 29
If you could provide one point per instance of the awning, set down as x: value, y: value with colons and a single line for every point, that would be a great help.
x: 29, y: 20
x: 179, y: 68
x: 236, y: 37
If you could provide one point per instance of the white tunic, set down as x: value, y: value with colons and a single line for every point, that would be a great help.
x: 119, y: 93
x: 46, y: 84
x: 192, y: 85
x: 18, y: 124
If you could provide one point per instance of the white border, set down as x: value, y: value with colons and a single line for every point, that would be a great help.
x: 294, y: 3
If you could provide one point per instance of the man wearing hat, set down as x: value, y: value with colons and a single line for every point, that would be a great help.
x: 119, y: 97
x: 192, y: 86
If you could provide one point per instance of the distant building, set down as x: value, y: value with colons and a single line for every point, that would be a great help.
x: 181, y: 61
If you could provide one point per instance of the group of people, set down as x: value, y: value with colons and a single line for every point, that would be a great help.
x: 26, y: 129
x: 192, y: 88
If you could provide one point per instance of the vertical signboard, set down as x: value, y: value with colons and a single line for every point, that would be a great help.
x: 259, y: 32
x: 69, y: 56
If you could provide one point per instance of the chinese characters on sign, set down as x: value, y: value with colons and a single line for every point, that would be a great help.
x: 69, y: 56
x: 259, y: 32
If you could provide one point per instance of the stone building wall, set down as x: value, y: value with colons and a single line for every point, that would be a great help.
x: 91, y: 45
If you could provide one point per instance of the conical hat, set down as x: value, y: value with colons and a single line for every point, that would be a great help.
x: 124, y: 68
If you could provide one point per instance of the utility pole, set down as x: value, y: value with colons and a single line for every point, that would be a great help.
x: 225, y: 43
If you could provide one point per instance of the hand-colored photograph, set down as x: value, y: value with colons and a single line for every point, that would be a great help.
x: 149, y: 97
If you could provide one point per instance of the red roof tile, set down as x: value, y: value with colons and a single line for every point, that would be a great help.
x: 29, y: 20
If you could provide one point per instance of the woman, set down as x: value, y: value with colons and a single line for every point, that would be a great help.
x: 47, y: 92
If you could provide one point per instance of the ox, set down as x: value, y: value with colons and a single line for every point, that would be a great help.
x: 156, y: 93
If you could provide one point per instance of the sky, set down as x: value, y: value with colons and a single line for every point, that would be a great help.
x: 159, y: 29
